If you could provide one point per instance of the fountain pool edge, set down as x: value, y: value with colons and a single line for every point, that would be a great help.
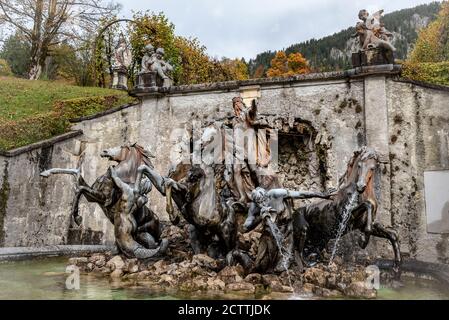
x: 24, y: 253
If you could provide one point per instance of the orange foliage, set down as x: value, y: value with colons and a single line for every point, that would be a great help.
x: 282, y: 66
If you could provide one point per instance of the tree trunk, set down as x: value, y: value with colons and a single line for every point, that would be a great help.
x: 36, y: 45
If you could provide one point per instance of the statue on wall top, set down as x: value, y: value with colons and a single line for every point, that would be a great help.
x: 162, y: 67
x: 122, y: 55
x: 373, y: 36
x: 121, y: 61
x: 372, y: 33
x: 147, y: 58
x: 153, y: 63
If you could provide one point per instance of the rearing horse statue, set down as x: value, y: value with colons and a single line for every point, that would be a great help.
x: 203, y: 198
x: 356, y: 202
x: 104, y: 191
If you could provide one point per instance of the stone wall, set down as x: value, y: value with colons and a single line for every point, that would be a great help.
x: 417, y: 115
x: 342, y: 112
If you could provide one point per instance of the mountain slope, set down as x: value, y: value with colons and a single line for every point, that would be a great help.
x: 334, y: 52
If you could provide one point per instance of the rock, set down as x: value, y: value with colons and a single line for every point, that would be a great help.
x: 359, y: 290
x: 332, y: 281
x: 143, y: 275
x: 275, y: 284
x: 315, y: 276
x: 166, y: 279
x: 101, y: 262
x: 231, y: 274
x: 90, y: 267
x: 338, y: 261
x: 116, y: 274
x: 243, y: 287
x: 215, y: 284
x: 268, y: 279
x: 199, y: 271
x: 281, y: 288
x: 195, y: 284
x: 205, y: 261
x: 96, y: 257
x: 199, y: 283
x: 292, y: 159
x: 159, y: 267
x: 254, y: 278
x: 332, y: 267
x: 131, y: 266
x: 115, y: 263
x: 330, y: 293
x: 308, y: 287
x: 172, y: 269
x: 78, y: 261
x: 131, y: 276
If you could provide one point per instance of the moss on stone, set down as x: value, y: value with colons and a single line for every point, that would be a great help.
x: 4, y: 195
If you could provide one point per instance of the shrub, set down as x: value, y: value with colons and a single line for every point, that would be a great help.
x: 18, y: 133
x: 5, y: 70
x: 432, y: 72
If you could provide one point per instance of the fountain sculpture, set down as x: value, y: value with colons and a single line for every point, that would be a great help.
x: 228, y: 186
x: 211, y: 194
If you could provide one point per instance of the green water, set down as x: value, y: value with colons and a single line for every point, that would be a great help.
x: 45, y: 279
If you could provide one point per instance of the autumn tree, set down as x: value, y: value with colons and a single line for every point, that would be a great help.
x: 282, y: 66
x: 236, y: 69
x: 196, y: 66
x: 47, y: 23
x: 432, y: 44
x: 297, y: 64
x: 429, y: 59
x: 155, y: 29
x: 279, y: 65
x: 260, y: 71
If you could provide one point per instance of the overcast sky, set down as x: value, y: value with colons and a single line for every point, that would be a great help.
x: 243, y: 28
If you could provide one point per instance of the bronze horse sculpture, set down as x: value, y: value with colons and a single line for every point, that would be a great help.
x: 144, y: 242
x: 315, y: 224
x: 203, y: 198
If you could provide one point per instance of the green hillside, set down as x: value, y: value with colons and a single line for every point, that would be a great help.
x: 34, y: 110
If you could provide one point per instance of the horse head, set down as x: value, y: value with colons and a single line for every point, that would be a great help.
x: 367, y: 167
x: 117, y: 154
x: 129, y: 158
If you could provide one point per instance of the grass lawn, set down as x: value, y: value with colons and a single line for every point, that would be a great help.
x: 21, y: 98
x: 31, y: 111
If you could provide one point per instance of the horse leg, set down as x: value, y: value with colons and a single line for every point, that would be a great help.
x: 228, y: 228
x: 194, y: 239
x: 238, y: 256
x: 382, y: 232
x: 369, y: 217
x: 90, y: 194
x: 300, y: 228
x: 156, y: 179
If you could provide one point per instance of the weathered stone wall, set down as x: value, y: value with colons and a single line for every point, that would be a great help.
x: 36, y: 211
x: 417, y: 118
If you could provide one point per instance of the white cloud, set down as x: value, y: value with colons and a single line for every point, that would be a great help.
x: 243, y: 28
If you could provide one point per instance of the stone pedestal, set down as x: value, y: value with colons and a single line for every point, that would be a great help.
x: 152, y: 80
x: 148, y: 80
x: 120, y: 78
x: 371, y: 57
